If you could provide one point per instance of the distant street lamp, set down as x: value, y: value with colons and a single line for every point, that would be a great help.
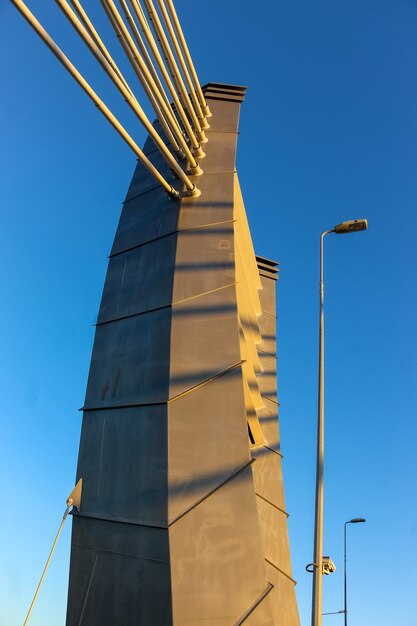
x: 355, y: 520
x: 350, y: 226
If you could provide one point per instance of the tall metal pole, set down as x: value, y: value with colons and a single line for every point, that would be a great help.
x: 345, y: 578
x: 316, y: 615
x: 349, y: 226
x: 355, y: 520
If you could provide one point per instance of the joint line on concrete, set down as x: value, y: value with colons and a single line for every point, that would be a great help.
x: 274, y: 354
x: 281, y: 571
x: 253, y: 606
x: 210, y: 493
x: 272, y: 504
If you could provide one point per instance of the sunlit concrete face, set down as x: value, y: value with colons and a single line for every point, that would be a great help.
x: 183, y: 518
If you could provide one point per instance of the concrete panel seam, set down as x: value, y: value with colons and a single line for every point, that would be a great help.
x: 270, y: 399
x: 136, y: 556
x: 125, y: 317
x: 263, y: 445
x: 157, y: 186
x: 203, y: 293
x: 271, y: 314
x: 144, y: 243
x: 121, y: 520
x: 88, y: 589
x: 200, y: 226
x: 272, y: 450
x: 211, y: 492
x: 164, y: 306
x: 281, y: 571
x: 172, y: 232
x: 253, y: 606
x: 272, y: 504
x: 168, y: 400
x: 274, y: 354
x: 86, y: 409
x: 205, y: 382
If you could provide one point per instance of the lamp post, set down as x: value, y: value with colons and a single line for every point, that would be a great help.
x: 355, y: 520
x: 350, y: 226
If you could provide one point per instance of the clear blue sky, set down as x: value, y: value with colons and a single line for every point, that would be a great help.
x: 328, y: 132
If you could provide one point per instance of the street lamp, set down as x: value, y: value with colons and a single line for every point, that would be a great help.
x: 350, y: 226
x: 355, y: 520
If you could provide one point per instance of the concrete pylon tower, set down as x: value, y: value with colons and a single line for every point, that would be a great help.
x: 182, y: 520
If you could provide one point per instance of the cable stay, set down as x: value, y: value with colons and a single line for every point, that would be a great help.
x: 140, y: 16
x: 163, y: 66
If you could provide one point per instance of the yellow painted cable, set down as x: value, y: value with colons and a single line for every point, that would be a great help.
x: 20, y: 5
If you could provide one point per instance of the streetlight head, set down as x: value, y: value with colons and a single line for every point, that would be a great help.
x: 351, y: 226
x: 357, y: 520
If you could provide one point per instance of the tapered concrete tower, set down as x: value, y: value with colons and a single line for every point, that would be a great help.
x: 182, y: 519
